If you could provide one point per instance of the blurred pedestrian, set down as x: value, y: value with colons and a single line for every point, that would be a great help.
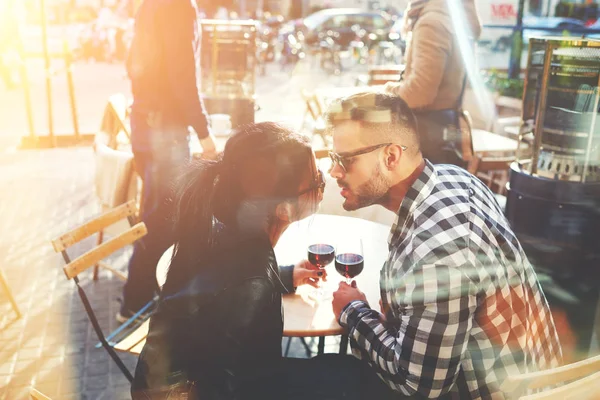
x: 435, y: 77
x: 163, y: 66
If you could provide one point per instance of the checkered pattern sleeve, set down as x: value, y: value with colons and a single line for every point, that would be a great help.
x: 422, y: 356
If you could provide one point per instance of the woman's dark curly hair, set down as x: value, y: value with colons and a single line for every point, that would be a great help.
x: 262, y: 165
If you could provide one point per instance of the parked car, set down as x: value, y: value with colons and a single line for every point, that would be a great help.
x: 564, y: 24
x: 342, y: 24
x: 534, y: 24
x: 595, y: 25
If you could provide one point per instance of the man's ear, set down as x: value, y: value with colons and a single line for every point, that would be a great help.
x: 284, y: 211
x: 392, y: 156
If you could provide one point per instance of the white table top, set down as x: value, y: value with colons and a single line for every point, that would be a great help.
x: 303, y: 314
x: 489, y: 143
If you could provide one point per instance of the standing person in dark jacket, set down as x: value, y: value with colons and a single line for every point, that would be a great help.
x: 163, y: 66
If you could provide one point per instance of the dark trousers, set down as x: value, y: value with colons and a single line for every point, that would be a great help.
x: 325, y: 377
x: 159, y: 155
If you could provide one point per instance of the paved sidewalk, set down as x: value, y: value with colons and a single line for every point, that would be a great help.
x: 45, y: 193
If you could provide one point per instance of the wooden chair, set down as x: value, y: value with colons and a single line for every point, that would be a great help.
x: 315, y: 112
x: 11, y: 299
x: 379, y: 75
x: 582, y: 377
x: 321, y: 153
x: 116, y: 177
x: 491, y: 169
x: 114, y: 121
x: 74, y: 267
x: 37, y: 395
x: 116, y: 183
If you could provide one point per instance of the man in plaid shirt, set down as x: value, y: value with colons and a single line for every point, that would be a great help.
x: 461, y: 307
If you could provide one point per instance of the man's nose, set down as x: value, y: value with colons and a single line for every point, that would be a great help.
x: 336, y: 171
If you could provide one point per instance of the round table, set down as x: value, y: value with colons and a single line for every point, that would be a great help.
x: 304, y: 314
x: 328, y: 94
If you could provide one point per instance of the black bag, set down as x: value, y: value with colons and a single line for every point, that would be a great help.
x: 439, y: 133
x: 439, y: 136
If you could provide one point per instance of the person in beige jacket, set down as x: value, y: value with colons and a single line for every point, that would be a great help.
x: 437, y: 33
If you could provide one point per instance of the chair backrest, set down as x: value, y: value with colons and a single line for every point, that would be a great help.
x: 321, y: 153
x: 73, y: 268
x: 115, y: 180
x: 114, y: 121
x: 466, y: 141
x: 313, y: 107
x: 118, y: 101
x: 90, y: 258
x: 379, y: 75
x: 583, y: 377
x: 37, y: 395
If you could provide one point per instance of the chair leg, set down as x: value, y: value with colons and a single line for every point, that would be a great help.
x: 306, y: 347
x: 141, y: 202
x: 98, y: 242
x: 324, y: 139
x: 9, y: 294
x: 344, y: 344
x: 287, y: 347
x: 321, y: 345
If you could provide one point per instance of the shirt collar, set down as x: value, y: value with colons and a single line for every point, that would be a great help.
x: 416, y: 194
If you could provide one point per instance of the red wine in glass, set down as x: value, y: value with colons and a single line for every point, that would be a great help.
x: 349, y: 265
x: 320, y: 254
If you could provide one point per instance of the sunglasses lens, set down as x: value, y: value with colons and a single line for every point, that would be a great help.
x: 335, y: 159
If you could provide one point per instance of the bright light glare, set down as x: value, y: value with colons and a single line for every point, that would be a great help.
x: 466, y: 44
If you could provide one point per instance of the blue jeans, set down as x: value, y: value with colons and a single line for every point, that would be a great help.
x: 159, y: 155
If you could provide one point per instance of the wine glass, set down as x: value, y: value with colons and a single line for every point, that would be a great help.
x: 320, y: 255
x: 349, y: 259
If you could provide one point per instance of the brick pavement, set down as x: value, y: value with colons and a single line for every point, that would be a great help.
x: 45, y: 193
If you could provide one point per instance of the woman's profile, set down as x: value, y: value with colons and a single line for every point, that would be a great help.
x: 218, y: 327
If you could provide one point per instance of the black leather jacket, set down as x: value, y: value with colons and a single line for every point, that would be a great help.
x: 223, y: 330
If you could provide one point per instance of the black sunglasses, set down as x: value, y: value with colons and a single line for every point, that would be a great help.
x: 317, y: 184
x: 342, y: 159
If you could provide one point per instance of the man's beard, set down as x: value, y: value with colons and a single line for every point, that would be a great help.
x: 369, y: 193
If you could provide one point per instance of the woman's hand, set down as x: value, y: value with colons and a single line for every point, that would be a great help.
x: 306, y: 273
x: 391, y: 87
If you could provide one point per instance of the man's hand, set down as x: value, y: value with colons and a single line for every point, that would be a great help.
x: 209, y: 155
x: 390, y: 87
x: 306, y: 273
x: 345, y: 295
x: 209, y: 149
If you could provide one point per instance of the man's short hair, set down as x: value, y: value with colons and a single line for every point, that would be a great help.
x: 381, y: 112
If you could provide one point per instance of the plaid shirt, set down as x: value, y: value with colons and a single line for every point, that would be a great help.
x: 463, y: 307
